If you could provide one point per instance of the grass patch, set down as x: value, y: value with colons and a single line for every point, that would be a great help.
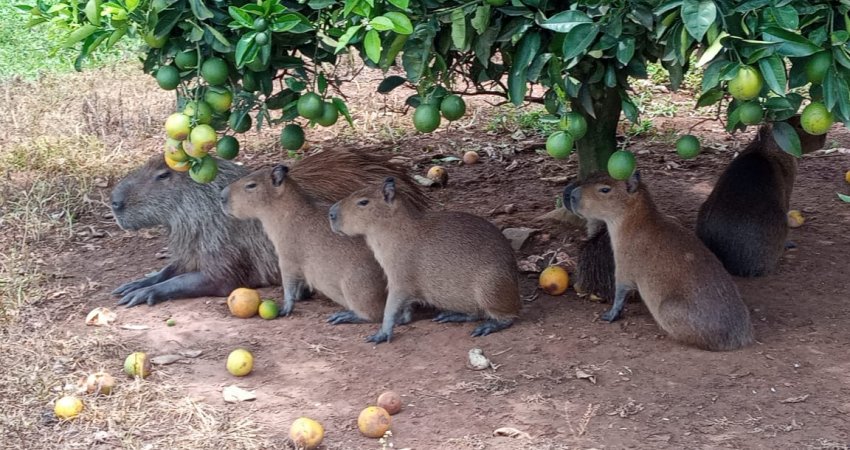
x: 40, y: 47
x: 535, y: 119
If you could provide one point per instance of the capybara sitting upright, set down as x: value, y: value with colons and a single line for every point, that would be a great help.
x: 310, y: 254
x: 683, y: 284
x: 212, y: 253
x: 454, y: 261
x: 594, y: 272
x: 743, y: 221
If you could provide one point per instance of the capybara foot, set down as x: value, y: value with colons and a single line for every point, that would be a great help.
x: 451, y: 316
x: 610, y: 315
x: 380, y: 336
x: 345, y: 317
x: 491, y: 326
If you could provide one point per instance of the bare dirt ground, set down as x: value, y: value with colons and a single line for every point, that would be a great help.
x: 560, y: 375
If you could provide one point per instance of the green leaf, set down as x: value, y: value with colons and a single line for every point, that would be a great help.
x: 710, y: 97
x: 712, y: 50
x: 200, y: 10
x: 79, y: 34
x: 579, y: 39
x: 698, y: 16
x: 218, y: 36
x: 381, y: 23
x: 388, y: 59
x: 246, y: 49
x: 346, y: 37
x: 241, y: 17
x: 285, y: 23
x: 459, y: 29
x: 166, y: 23
x: 565, y: 21
x: 389, y: 83
x: 830, y: 89
x: 116, y: 35
x: 625, y: 50
x: 791, y: 44
x: 483, y: 45
x: 629, y: 108
x: 401, y: 23
x: 372, y: 45
x: 526, y: 50
x: 400, y: 4
x: 787, y: 138
x: 785, y: 17
x: 481, y: 19
x: 844, y: 198
x: 773, y: 72
x: 417, y: 50
x: 295, y: 84
x: 322, y: 83
x: 342, y: 108
x: 536, y: 67
x: 711, y: 74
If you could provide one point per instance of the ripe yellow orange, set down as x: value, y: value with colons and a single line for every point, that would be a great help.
x: 795, y: 219
x: 240, y: 362
x: 177, y: 166
x: 438, y: 174
x: 68, y: 407
x: 306, y: 433
x: 244, y: 302
x: 847, y: 176
x: 374, y: 421
x: 554, y: 280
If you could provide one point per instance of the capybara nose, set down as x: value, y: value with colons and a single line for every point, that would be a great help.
x: 117, y: 205
x: 333, y: 213
x: 223, y: 194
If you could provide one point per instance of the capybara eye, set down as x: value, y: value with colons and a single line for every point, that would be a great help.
x: 163, y: 175
x: 363, y: 202
x: 605, y: 190
x: 250, y: 186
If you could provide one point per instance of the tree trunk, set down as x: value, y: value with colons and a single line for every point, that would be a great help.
x: 601, y: 138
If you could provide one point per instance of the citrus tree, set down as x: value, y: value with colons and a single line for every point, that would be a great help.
x: 240, y: 63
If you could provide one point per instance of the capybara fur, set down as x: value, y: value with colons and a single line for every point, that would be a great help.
x: 594, y: 273
x: 211, y: 253
x: 310, y: 254
x: 743, y: 221
x: 456, y: 262
x: 684, y: 286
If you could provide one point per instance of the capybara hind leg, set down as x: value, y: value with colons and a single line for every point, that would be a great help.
x: 393, y: 311
x: 619, y: 302
x: 345, y: 316
x: 491, y: 326
x: 187, y: 285
x: 406, y: 315
x: 451, y: 316
x: 158, y: 277
x: 304, y: 293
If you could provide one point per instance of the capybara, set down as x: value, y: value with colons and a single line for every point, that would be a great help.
x: 743, y: 221
x: 456, y: 262
x: 310, y: 254
x: 594, y: 272
x: 211, y: 253
x: 684, y: 286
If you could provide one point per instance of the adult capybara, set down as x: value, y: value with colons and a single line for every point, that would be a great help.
x: 454, y: 261
x: 743, y: 221
x: 212, y: 253
x: 594, y: 273
x: 684, y: 286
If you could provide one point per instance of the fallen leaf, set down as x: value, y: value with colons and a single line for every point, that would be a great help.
x: 134, y: 327
x: 513, y: 165
x: 164, y: 360
x: 100, y: 316
x: 511, y: 432
x: 561, y: 179
x: 424, y: 181
x: 191, y: 353
x: 582, y: 375
x: 233, y: 394
x: 799, y: 399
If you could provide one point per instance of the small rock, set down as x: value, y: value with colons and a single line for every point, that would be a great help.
x: 477, y: 360
x: 164, y: 360
x: 518, y: 236
x: 233, y: 394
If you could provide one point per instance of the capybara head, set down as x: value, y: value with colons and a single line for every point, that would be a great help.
x: 354, y: 214
x: 154, y: 195
x: 246, y: 197
x: 604, y: 198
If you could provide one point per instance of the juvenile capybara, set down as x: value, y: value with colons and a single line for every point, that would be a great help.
x: 457, y: 262
x: 310, y: 254
x: 684, y: 286
x: 211, y: 253
x: 594, y: 273
x: 743, y: 221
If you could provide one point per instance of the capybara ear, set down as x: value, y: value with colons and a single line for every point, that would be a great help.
x: 633, y: 182
x: 389, y: 190
x: 279, y: 174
